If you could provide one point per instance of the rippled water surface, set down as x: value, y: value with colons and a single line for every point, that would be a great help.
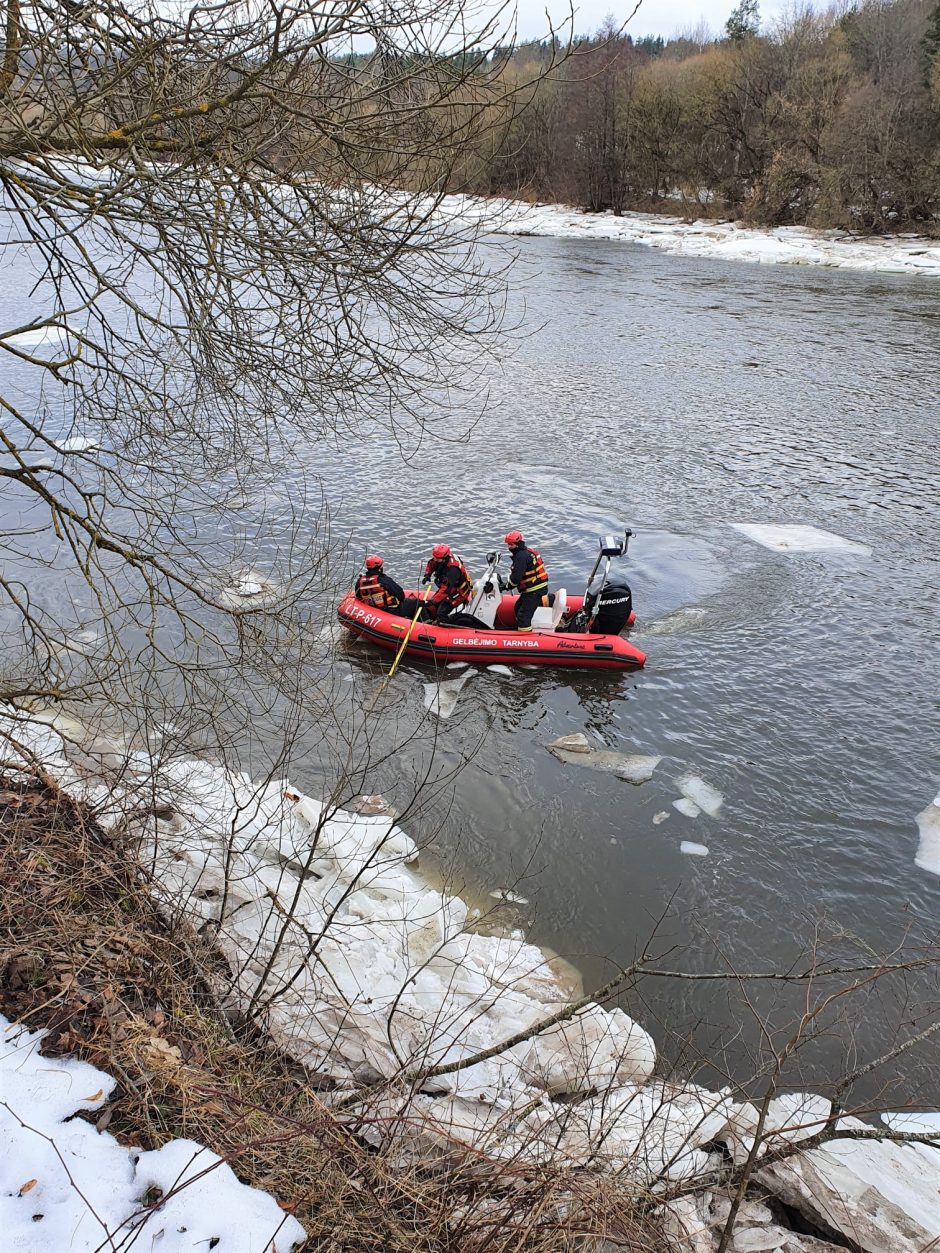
x: 679, y: 396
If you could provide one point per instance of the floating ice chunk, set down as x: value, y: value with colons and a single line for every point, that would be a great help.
x: 691, y: 849
x: 928, y: 851
x: 78, y: 443
x: 503, y: 894
x: 440, y: 699
x: 457, y: 665
x: 687, y: 807
x: 701, y: 794
x: 42, y: 337
x: 673, y: 623
x: 577, y: 743
x: 371, y: 806
x: 500, y: 670
x: 798, y: 539
x: 594, y: 1049
x: 637, y: 769
x: 248, y: 589
x: 791, y: 1117
x: 660, y: 817
x: 576, y: 750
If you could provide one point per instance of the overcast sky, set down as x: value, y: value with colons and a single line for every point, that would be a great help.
x: 654, y: 17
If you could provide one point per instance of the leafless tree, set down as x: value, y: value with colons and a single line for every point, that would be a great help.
x: 223, y: 244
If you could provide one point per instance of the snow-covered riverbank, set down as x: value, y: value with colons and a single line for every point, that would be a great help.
x: 363, y: 971
x: 720, y: 241
x: 67, y: 1186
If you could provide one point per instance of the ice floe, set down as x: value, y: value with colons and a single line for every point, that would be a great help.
x: 66, y: 1185
x: 702, y: 795
x: 503, y: 670
x: 925, y: 1122
x: 928, y: 850
x: 513, y: 898
x: 691, y: 849
x: 440, y: 699
x: 799, y: 539
x: 55, y: 337
x: 660, y: 817
x: 686, y: 807
x: 576, y: 750
x: 248, y: 589
x: 78, y: 443
x: 876, y: 1196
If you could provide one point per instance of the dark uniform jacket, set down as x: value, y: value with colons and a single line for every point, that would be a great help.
x: 379, y: 590
x: 525, y: 560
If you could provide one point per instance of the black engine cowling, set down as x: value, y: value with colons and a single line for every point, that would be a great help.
x: 614, y: 606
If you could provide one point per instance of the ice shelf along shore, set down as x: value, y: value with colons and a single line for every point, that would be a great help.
x: 365, y: 972
x: 720, y: 241
x: 65, y: 1186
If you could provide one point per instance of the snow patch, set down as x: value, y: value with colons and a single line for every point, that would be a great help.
x: 65, y: 1185
x: 720, y: 241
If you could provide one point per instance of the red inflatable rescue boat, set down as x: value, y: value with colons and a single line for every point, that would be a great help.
x: 577, y: 631
x: 502, y: 644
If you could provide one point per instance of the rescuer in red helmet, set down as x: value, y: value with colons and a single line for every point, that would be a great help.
x: 454, y: 585
x: 377, y: 589
x: 529, y: 576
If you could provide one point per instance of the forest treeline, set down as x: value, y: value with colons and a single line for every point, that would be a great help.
x: 828, y: 119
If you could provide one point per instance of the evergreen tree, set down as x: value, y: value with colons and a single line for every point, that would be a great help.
x: 743, y: 22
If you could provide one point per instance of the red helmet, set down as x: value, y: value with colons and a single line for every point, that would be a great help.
x: 374, y: 563
x: 513, y: 538
x: 440, y: 550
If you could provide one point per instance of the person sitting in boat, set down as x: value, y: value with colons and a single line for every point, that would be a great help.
x: 454, y: 585
x: 529, y: 577
x: 376, y: 588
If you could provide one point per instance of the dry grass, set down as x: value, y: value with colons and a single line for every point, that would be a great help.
x: 85, y: 955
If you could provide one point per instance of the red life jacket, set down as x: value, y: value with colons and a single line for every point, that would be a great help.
x: 370, y: 590
x: 535, y: 578
x: 462, y: 589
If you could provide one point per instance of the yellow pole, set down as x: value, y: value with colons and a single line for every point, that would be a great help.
x: 404, y: 642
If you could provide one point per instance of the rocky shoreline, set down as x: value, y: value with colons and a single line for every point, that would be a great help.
x: 366, y: 974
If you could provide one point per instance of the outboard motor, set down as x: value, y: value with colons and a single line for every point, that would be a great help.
x: 609, y: 603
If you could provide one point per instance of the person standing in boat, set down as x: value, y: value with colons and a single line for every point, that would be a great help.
x: 529, y: 577
x: 453, y: 582
x: 376, y: 588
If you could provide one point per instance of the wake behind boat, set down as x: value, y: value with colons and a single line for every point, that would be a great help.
x: 574, y: 631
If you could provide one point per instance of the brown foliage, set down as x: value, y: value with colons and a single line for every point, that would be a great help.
x: 828, y: 120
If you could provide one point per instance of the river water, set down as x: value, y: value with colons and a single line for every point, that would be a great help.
x: 679, y: 396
